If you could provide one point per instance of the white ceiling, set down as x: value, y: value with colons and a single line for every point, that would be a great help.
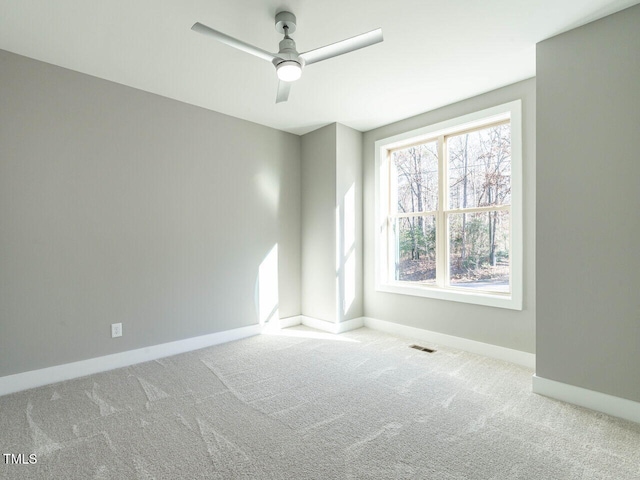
x: 434, y: 52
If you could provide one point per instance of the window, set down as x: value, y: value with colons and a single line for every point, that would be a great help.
x: 449, y: 210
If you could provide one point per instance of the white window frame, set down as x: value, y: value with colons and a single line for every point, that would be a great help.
x: 384, y: 279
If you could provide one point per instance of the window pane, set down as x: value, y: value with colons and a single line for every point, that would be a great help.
x: 479, y: 250
x: 415, y: 257
x: 479, y: 166
x: 415, y: 173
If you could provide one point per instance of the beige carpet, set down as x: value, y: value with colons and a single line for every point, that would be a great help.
x: 306, y: 405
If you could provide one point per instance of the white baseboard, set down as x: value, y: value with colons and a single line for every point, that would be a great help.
x: 601, y: 402
x: 289, y: 322
x: 330, y: 326
x: 494, y: 351
x: 59, y: 373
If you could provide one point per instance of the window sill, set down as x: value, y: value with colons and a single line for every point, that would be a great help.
x: 499, y: 300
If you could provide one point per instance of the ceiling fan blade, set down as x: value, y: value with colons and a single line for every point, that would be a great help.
x: 233, y: 42
x: 344, y: 46
x: 283, y: 91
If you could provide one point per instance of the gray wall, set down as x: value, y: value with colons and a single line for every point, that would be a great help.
x: 497, y: 326
x: 318, y: 224
x: 121, y: 206
x: 331, y: 166
x: 588, y: 182
x: 349, y: 179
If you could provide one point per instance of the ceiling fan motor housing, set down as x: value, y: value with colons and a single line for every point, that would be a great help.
x: 287, y: 51
x: 288, y: 62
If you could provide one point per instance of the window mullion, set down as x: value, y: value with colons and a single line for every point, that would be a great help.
x: 391, y: 238
x: 441, y: 227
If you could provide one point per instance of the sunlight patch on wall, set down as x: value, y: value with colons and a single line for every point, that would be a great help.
x: 349, y: 219
x: 345, y: 252
x: 268, y: 287
x: 269, y: 186
x: 349, y: 232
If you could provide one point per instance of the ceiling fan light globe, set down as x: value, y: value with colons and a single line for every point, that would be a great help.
x: 289, y: 71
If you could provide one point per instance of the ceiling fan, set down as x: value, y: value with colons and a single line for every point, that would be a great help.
x: 288, y: 62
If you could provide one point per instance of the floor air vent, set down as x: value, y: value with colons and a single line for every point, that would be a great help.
x: 422, y: 349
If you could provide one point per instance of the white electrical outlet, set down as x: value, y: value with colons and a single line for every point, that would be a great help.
x: 116, y: 330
